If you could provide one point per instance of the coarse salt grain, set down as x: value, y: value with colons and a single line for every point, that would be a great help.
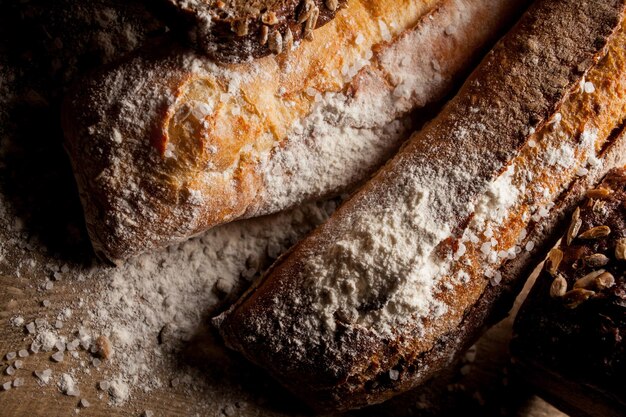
x: 44, y: 376
x: 589, y: 87
x: 496, y: 278
x: 67, y: 385
x: 17, y: 321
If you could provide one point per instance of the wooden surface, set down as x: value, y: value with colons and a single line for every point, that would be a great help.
x: 482, y: 386
x: 43, y: 49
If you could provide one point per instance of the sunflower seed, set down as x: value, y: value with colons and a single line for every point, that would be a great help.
x: 555, y: 256
x: 595, y: 232
x: 604, y: 281
x: 558, y: 287
x: 276, y: 42
x: 596, y: 260
x: 576, y: 297
x: 306, y: 8
x: 269, y: 18
x: 620, y: 249
x: 599, y: 193
x: 574, y: 226
x: 599, y: 206
x: 288, y: 40
x: 588, y: 280
x: 264, y: 35
x: 332, y: 5
x: 310, y: 24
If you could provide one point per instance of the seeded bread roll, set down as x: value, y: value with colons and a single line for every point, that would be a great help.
x: 410, y: 269
x: 236, y: 30
x: 569, y: 334
x: 167, y: 144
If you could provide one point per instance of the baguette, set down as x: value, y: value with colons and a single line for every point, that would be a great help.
x: 166, y: 144
x: 235, y: 31
x: 409, y: 270
x: 567, y: 337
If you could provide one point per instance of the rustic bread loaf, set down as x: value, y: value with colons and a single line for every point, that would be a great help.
x: 167, y: 144
x: 409, y: 270
x: 569, y: 334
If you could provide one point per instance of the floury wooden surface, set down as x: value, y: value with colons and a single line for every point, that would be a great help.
x: 481, y: 385
x: 41, y: 233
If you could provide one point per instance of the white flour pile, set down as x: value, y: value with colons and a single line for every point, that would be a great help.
x: 148, y: 309
x: 173, y: 292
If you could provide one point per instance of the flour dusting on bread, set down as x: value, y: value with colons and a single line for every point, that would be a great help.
x: 165, y: 146
x: 392, y: 280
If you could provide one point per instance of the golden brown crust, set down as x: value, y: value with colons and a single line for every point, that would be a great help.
x: 532, y: 79
x: 166, y: 144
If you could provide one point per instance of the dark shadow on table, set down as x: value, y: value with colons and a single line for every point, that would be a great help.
x: 44, y: 47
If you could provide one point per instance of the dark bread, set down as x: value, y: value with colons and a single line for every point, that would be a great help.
x: 238, y: 30
x: 504, y: 117
x: 569, y: 334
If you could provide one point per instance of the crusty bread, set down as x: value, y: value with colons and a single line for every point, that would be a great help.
x: 167, y: 144
x: 568, y: 336
x: 237, y: 30
x: 410, y: 269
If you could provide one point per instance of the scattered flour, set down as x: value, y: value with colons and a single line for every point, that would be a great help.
x: 67, y: 385
x: 173, y: 291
